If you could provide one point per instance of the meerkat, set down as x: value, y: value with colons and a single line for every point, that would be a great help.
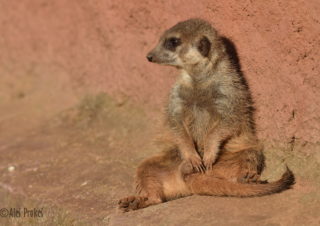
x: 209, y: 134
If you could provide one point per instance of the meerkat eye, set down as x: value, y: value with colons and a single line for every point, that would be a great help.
x: 172, y: 43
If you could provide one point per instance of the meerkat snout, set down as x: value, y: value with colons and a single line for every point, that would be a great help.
x: 166, y: 52
x: 149, y: 57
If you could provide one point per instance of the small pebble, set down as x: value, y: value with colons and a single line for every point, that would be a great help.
x: 84, y: 183
x: 11, y: 168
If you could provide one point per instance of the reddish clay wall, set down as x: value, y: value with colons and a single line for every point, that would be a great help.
x: 104, y: 43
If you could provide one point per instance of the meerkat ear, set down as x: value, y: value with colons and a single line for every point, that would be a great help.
x: 204, y: 46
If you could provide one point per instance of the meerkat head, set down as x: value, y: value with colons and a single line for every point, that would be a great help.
x: 187, y: 45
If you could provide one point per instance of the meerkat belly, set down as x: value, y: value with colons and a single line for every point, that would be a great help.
x: 199, y: 125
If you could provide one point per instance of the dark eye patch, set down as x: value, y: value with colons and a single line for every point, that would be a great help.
x: 172, y: 43
x: 204, y: 46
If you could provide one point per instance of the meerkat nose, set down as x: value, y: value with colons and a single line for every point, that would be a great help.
x: 149, y: 57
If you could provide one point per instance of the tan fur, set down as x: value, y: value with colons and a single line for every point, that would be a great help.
x: 208, y: 137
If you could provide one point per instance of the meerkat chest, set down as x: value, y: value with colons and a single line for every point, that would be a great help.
x: 198, y: 109
x: 193, y: 113
x: 192, y: 106
x: 198, y: 122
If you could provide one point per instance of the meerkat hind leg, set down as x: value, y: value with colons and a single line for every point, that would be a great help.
x: 149, y: 192
x: 137, y: 202
x: 154, y: 176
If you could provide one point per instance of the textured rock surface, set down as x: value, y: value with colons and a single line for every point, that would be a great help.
x: 104, y: 43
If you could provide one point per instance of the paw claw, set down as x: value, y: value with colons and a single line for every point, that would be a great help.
x: 196, y: 162
x: 209, y: 160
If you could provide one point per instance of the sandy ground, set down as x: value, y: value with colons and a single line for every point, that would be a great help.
x: 76, y: 159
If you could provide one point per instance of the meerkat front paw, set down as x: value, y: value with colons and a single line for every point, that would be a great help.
x: 196, y: 162
x: 186, y: 168
x: 209, y: 159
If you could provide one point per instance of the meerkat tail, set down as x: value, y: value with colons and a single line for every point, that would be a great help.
x: 202, y: 184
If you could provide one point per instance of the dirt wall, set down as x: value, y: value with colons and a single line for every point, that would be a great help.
x: 102, y: 44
